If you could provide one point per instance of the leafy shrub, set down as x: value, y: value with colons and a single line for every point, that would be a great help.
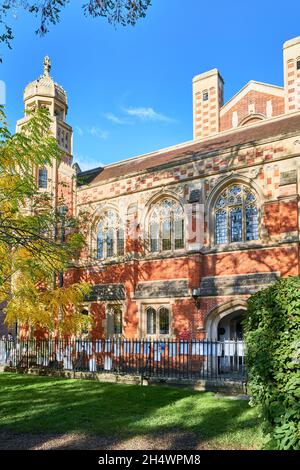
x: 272, y: 334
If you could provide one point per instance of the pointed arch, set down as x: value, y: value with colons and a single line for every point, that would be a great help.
x: 226, y: 182
x: 251, y: 117
x: 165, y: 225
x: 174, y: 227
x: 107, y: 233
x: 215, y: 315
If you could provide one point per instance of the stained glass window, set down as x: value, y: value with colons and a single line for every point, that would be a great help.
x: 221, y: 227
x: 236, y: 225
x: 251, y: 223
x: 110, y: 242
x: 166, y: 226
x: 236, y: 215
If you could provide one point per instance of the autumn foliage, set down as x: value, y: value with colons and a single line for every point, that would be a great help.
x: 31, y: 253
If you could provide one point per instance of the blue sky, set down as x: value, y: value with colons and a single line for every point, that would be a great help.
x: 129, y: 89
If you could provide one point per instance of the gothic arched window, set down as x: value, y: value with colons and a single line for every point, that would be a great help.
x: 166, y: 226
x: 110, y: 236
x: 236, y: 215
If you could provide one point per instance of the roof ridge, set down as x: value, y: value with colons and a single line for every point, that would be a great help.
x: 258, y: 132
x: 198, y: 141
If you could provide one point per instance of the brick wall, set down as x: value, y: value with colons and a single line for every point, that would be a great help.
x: 257, y: 101
x: 269, y: 166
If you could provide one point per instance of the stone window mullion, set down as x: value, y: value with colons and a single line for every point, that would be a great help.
x: 244, y: 217
x: 115, y: 238
x: 172, y: 228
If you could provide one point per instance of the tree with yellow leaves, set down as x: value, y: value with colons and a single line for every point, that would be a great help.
x: 31, y: 257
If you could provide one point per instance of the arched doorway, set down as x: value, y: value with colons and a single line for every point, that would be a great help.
x: 230, y: 327
x: 224, y: 324
x: 225, y: 321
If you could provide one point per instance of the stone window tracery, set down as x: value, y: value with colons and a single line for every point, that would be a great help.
x: 110, y: 236
x: 166, y: 226
x: 236, y: 215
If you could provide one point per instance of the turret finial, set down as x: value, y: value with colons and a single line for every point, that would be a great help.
x: 47, y: 66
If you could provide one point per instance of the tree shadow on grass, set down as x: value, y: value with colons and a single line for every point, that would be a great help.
x: 118, y: 413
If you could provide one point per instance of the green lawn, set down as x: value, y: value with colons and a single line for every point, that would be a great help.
x: 44, y: 404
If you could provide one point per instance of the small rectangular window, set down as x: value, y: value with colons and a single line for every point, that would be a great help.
x: 151, y: 321
x: 298, y: 64
x: 43, y: 178
x: 164, y: 321
x: 118, y: 328
x: 205, y: 96
x: 114, y: 320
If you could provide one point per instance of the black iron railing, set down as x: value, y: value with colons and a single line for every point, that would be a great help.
x: 180, y: 359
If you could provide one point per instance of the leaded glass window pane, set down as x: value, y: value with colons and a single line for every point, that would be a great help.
x: 236, y: 225
x: 110, y: 243
x: 179, y: 235
x: 221, y: 227
x: 100, y: 244
x: 43, y: 178
x: 154, y: 235
x: 120, y: 242
x: 236, y: 215
x: 234, y: 190
x: 117, y: 312
x: 251, y: 223
x: 110, y: 236
x: 164, y: 321
x: 250, y: 197
x: 221, y: 202
x: 151, y: 321
x: 166, y: 223
x: 166, y: 235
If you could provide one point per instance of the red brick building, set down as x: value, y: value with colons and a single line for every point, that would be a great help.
x: 179, y: 238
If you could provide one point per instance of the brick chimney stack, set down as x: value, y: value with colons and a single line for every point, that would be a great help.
x: 291, y: 66
x: 207, y: 101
